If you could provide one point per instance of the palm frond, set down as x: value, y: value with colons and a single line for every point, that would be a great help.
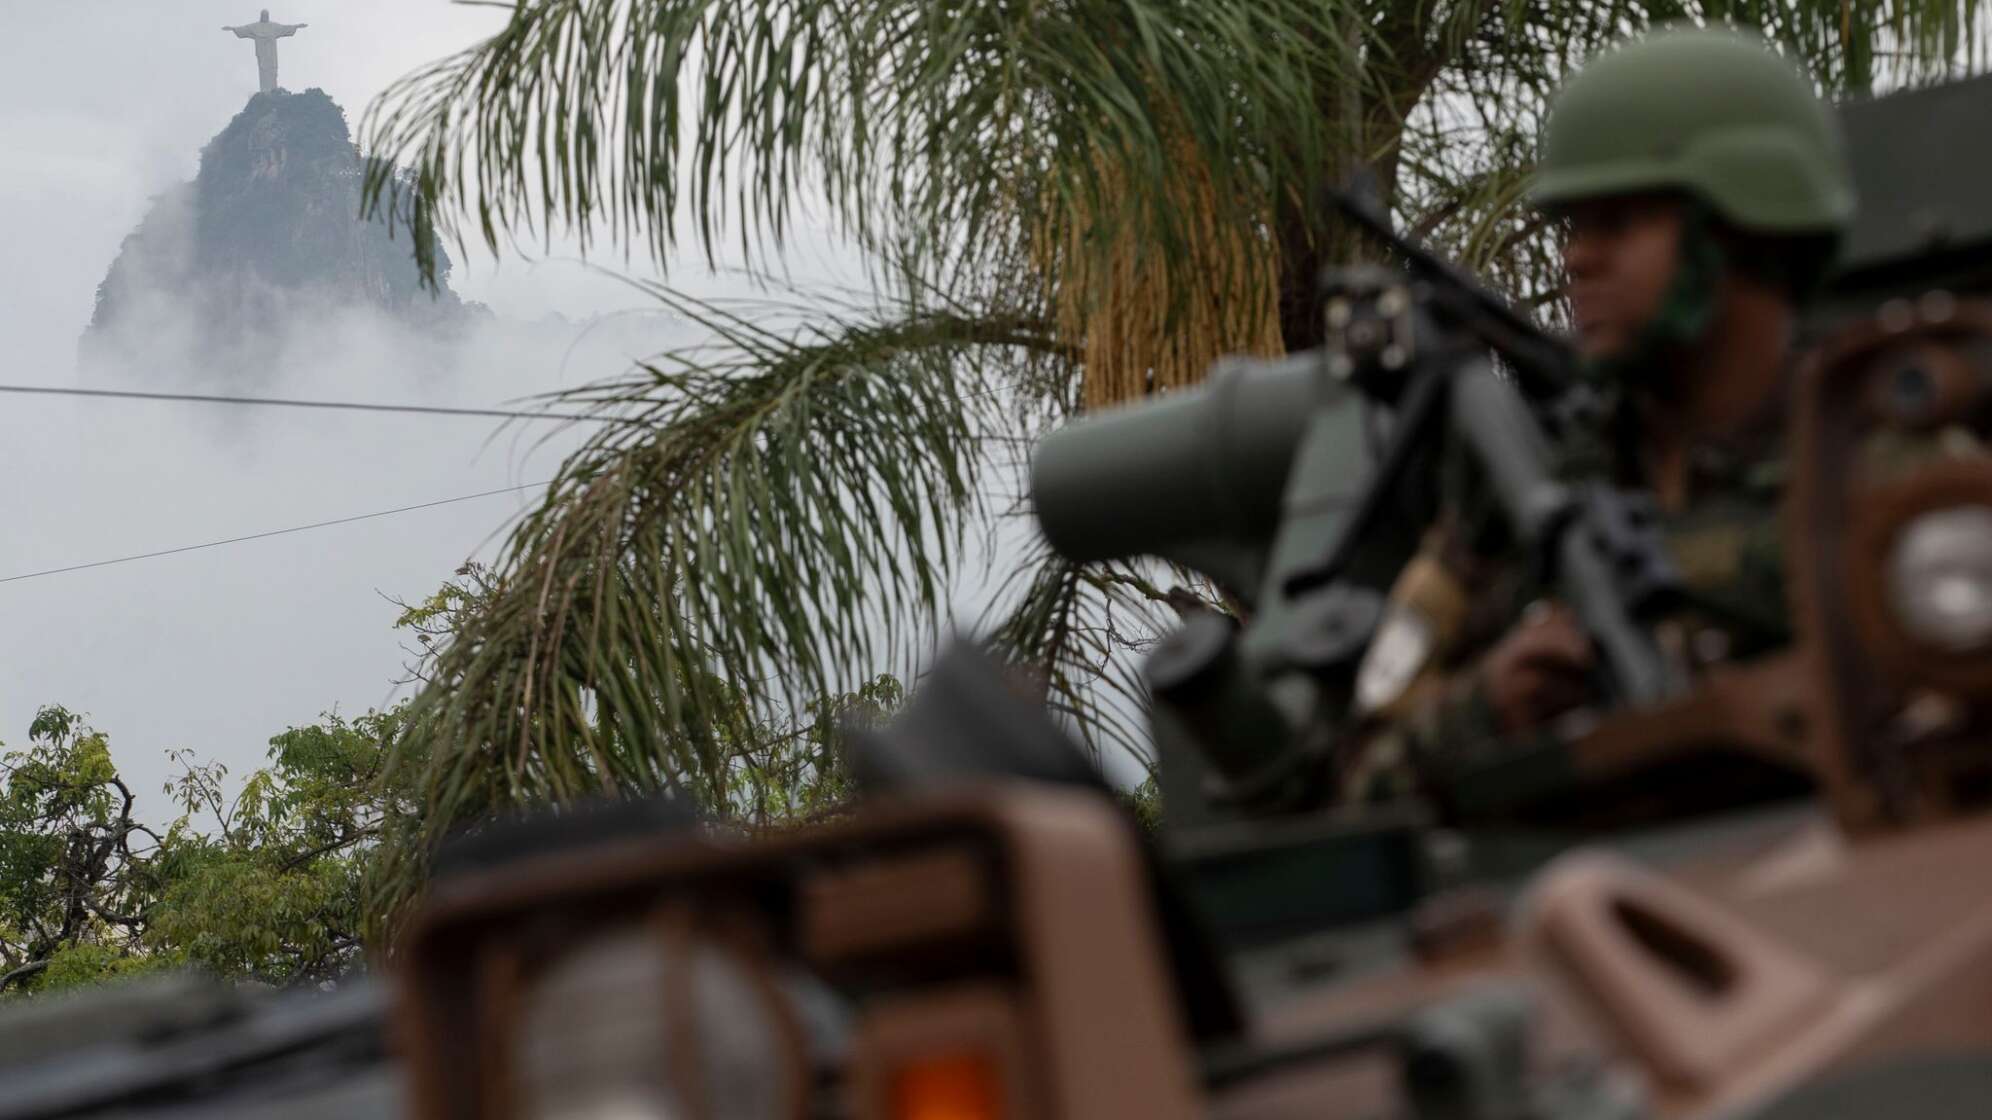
x: 1118, y: 160
x: 1072, y: 628
x: 1146, y: 321
x: 777, y: 516
x: 951, y: 137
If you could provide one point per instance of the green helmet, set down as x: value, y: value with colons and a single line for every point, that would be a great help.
x: 1712, y: 113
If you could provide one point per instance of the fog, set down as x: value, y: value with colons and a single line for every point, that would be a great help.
x: 103, y: 105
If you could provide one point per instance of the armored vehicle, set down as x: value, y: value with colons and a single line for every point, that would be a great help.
x: 1783, y: 915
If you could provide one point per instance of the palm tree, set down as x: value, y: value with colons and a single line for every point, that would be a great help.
x: 1069, y: 203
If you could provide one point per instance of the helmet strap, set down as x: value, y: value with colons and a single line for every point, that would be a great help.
x: 1685, y: 314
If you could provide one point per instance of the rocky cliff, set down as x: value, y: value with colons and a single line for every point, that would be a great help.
x: 269, y: 230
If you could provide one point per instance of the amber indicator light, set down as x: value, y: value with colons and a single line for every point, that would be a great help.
x: 948, y: 1087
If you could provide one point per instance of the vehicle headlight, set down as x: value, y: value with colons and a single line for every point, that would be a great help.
x: 629, y: 1025
x: 1940, y: 578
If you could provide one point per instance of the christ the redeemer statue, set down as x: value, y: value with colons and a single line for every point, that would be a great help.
x: 266, y: 35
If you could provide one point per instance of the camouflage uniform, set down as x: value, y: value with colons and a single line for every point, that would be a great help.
x: 1714, y: 119
x: 1726, y: 544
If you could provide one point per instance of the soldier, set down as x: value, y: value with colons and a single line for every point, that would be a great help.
x: 1700, y: 187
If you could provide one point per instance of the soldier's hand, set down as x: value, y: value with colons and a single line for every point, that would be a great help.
x: 1539, y: 670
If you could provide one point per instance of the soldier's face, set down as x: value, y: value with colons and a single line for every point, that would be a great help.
x: 1619, y: 256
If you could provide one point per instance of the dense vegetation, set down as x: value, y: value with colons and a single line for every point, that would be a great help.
x: 258, y: 879
x: 264, y: 876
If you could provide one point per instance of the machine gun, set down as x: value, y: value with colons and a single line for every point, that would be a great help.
x: 1258, y: 481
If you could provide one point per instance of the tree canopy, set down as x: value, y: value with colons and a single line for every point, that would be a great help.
x: 287, y: 875
x: 258, y: 881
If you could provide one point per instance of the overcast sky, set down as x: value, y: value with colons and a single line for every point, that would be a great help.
x: 103, y: 104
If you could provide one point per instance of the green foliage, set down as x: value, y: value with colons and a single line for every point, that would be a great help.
x: 731, y: 557
x: 264, y: 884
x: 962, y: 139
x: 274, y: 890
x: 638, y: 727
x: 1145, y: 802
x: 796, y: 772
x: 89, y: 964
x: 917, y: 121
x: 72, y: 857
x: 278, y: 878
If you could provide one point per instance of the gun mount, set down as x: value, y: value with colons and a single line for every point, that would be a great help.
x: 1350, y: 439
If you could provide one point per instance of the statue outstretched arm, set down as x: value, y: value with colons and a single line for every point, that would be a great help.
x: 286, y: 30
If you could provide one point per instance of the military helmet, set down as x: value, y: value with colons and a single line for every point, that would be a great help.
x: 1713, y: 113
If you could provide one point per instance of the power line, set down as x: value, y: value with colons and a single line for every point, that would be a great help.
x: 284, y: 402
x: 271, y: 533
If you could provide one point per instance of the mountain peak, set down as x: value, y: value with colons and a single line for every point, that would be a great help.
x: 269, y: 229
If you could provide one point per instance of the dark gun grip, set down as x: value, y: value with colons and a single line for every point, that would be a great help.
x: 1505, y: 439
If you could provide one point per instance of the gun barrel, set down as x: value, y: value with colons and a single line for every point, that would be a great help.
x: 1514, y: 453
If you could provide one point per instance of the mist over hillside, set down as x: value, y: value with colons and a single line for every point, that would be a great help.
x: 255, y: 276
x: 267, y: 235
x: 218, y: 649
